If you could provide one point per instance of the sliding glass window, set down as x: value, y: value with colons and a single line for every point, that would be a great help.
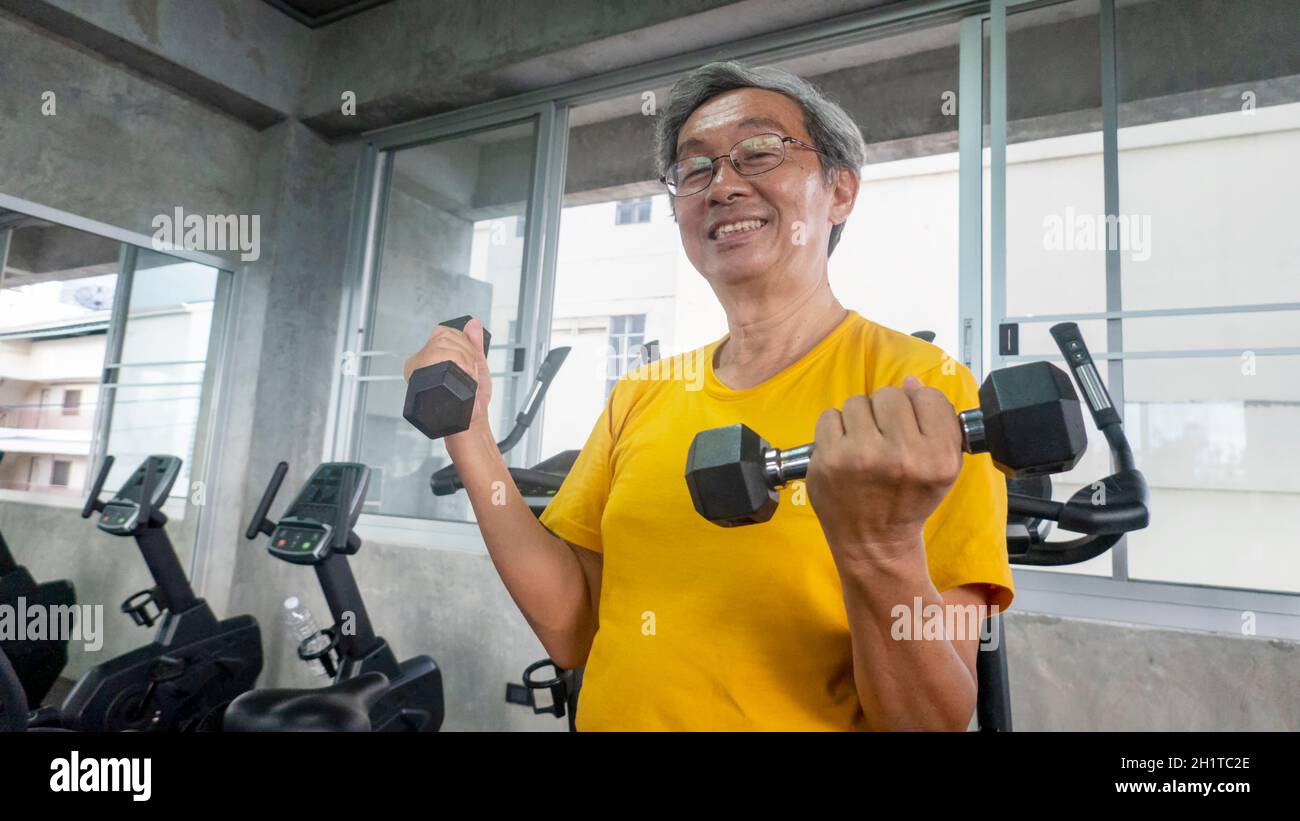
x: 451, y: 235
x: 1136, y: 177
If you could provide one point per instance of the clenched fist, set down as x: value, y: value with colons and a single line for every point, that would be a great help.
x: 465, y: 349
x: 881, y: 466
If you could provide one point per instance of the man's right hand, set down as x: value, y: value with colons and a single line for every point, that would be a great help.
x: 465, y: 348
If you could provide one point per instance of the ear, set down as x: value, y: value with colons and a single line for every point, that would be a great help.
x: 844, y: 194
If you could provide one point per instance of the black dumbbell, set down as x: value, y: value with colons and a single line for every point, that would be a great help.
x: 1029, y: 420
x: 440, y: 397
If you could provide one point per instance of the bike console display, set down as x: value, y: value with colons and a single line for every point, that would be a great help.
x: 324, y: 513
x: 145, y: 491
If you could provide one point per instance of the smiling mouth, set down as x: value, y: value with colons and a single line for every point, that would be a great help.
x: 737, y: 228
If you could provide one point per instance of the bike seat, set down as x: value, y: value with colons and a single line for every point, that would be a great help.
x: 343, y: 707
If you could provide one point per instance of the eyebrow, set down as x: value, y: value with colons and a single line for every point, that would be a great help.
x: 764, y: 122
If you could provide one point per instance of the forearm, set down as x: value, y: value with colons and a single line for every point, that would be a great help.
x: 539, y: 570
x: 903, y: 684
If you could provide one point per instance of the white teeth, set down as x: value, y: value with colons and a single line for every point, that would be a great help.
x: 734, y: 227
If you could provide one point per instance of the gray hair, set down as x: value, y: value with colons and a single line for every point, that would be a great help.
x: 831, y: 128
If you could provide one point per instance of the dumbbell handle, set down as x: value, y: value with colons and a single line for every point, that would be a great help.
x: 783, y: 466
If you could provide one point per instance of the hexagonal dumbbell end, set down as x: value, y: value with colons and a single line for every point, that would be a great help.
x: 1033, y: 423
x: 440, y: 400
x: 726, y: 477
x: 440, y: 397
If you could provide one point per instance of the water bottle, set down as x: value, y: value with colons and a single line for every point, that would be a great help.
x: 302, y: 627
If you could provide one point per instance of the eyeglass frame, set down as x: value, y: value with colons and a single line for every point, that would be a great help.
x: 713, y: 162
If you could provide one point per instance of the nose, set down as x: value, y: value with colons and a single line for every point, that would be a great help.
x: 727, y: 181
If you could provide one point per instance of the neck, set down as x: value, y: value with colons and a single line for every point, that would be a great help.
x: 767, y: 335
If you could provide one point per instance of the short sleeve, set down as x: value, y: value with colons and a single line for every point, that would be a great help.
x: 575, y: 512
x: 966, y: 536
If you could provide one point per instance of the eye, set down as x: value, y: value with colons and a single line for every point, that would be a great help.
x: 765, y: 146
x: 694, y: 168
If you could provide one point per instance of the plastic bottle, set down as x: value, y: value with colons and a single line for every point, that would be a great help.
x: 302, y: 626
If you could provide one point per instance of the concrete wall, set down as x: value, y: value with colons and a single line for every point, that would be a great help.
x: 146, y: 148
x: 1069, y: 674
x: 122, y: 148
x: 119, y: 149
x: 237, y: 56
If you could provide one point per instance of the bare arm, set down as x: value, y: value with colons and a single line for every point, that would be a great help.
x: 555, y: 583
x: 909, y: 684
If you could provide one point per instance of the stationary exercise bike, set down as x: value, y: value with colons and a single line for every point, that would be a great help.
x: 371, y: 690
x: 195, y: 663
x: 36, y: 662
x: 1101, y: 512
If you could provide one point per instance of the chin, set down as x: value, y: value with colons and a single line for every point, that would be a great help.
x: 738, y: 269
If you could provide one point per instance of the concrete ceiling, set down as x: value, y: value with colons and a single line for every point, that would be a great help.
x: 317, y: 13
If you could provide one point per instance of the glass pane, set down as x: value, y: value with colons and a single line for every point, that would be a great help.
x: 164, y: 346
x: 896, y: 262
x: 1209, y: 132
x: 1209, y: 136
x: 1094, y: 465
x: 149, y: 420
x: 897, y: 259
x: 1035, y: 338
x: 170, y: 313
x: 1242, y: 332
x: 1055, y: 216
x: 56, y: 298
x: 453, y: 244
x: 1216, y: 440
x: 1054, y: 199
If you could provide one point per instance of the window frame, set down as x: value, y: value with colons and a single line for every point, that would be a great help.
x: 214, y: 405
x: 631, y: 211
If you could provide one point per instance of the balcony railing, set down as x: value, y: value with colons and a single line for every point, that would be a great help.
x: 48, y: 416
x: 41, y: 487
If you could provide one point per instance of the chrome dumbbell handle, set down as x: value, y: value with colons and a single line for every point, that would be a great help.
x: 783, y: 466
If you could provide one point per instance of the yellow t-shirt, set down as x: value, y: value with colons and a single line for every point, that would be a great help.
x: 709, y: 628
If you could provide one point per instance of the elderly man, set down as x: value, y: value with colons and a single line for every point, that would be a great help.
x: 792, y: 624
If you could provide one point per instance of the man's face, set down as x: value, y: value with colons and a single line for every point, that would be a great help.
x: 792, y: 202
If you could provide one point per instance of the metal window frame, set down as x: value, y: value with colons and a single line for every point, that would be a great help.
x: 112, y: 353
x: 970, y: 185
x: 364, y: 264
x: 214, y: 398
x: 551, y: 106
x: 1116, y: 598
x: 103, y: 229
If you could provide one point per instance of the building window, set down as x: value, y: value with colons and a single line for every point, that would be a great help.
x: 626, y: 335
x: 60, y: 472
x: 71, y: 403
x: 631, y: 212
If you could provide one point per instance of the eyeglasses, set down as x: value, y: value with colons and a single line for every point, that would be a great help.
x: 750, y: 157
